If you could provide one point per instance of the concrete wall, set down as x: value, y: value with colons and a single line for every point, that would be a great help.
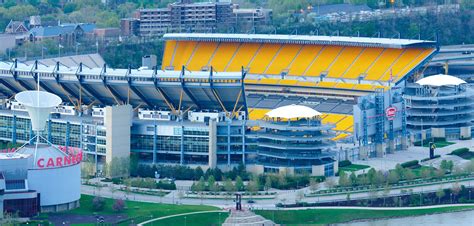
x: 212, y: 143
x: 56, y: 185
x: 465, y: 132
x: 438, y: 132
x: 118, y: 122
x: 317, y: 170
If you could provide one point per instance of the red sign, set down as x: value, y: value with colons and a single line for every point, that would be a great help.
x: 71, y: 159
x: 390, y: 112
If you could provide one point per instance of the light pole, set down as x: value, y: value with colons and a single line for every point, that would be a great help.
x: 185, y: 222
x: 219, y: 219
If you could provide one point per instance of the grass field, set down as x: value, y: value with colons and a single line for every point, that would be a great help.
x: 137, y: 209
x: 201, y: 219
x: 333, y: 216
x: 354, y: 167
x: 438, y: 144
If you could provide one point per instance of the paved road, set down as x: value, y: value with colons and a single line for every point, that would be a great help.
x: 286, y: 197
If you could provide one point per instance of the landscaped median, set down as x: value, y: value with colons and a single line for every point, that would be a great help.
x: 333, y: 215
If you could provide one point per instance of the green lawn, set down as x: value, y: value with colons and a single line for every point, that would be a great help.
x: 438, y: 144
x: 333, y: 216
x: 138, y: 209
x: 354, y: 167
x: 202, y: 219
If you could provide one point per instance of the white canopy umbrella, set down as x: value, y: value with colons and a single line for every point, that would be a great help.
x: 440, y: 80
x: 293, y: 111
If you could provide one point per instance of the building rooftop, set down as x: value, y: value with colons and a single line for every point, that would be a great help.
x: 440, y: 80
x: 293, y: 111
x: 301, y: 39
x: 13, y: 155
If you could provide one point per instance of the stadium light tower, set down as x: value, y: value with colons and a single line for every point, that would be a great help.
x: 39, y: 105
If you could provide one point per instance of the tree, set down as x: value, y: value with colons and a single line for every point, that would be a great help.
x: 440, y: 194
x: 239, y: 184
x: 211, y: 183
x: 372, y: 174
x: 343, y: 179
x: 439, y: 173
x: 400, y: 171
x: 353, y: 179
x: 98, y: 203
x: 229, y: 186
x: 330, y: 182
x: 198, y: 173
x: 118, y: 167
x: 313, y: 185
x: 299, y: 196
x: 444, y: 165
x: 268, y: 183
x: 456, y: 189
x: 119, y: 205
x: 253, y: 185
x: 393, y: 177
x: 409, y: 175
x: 425, y: 173
x: 200, y: 185
x: 450, y: 166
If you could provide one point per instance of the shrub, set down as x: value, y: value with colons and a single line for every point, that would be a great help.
x: 410, y: 164
x: 460, y: 151
x: 166, y: 185
x: 119, y: 205
x: 344, y: 163
x: 98, y: 203
x: 427, y: 159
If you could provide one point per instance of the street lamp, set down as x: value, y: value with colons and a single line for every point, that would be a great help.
x: 219, y: 219
x: 185, y: 222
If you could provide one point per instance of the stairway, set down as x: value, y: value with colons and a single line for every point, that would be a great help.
x: 247, y: 218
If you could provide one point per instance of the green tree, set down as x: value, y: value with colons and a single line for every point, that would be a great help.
x: 200, y: 185
x: 440, y: 194
x: 211, y: 183
x: 229, y: 186
x: 353, y: 179
x: 239, y: 184
x: 268, y: 183
x: 313, y: 185
x: 393, y: 177
x: 409, y: 175
x: 343, y: 179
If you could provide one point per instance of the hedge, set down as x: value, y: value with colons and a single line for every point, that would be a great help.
x: 460, y: 151
x: 345, y: 163
x: 410, y: 164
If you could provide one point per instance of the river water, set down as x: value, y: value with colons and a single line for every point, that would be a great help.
x: 464, y: 218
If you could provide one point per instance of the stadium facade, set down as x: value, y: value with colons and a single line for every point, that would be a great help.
x: 440, y: 107
x: 213, y: 89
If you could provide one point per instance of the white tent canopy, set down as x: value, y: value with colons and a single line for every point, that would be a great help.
x: 293, y: 111
x: 440, y: 80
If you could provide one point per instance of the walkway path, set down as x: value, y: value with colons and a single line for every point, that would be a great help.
x: 246, y: 218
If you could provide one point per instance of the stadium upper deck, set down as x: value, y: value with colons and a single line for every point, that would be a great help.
x: 156, y: 89
x: 346, y: 63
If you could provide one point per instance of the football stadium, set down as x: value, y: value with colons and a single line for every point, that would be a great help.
x: 276, y: 103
